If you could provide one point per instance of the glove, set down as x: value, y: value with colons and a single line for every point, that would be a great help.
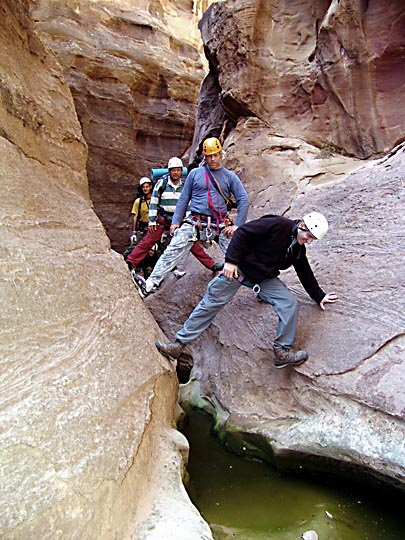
x: 133, y: 237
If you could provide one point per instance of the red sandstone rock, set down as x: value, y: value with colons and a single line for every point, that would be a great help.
x: 330, y: 73
x: 86, y: 403
x: 134, y: 73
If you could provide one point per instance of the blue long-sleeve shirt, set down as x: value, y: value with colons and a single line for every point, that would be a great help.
x: 195, y: 192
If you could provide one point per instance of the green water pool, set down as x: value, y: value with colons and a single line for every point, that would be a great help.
x: 243, y: 499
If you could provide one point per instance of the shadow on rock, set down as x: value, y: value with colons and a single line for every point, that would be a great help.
x: 184, y: 367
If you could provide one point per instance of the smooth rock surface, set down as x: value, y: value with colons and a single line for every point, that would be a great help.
x: 328, y: 72
x: 87, y: 447
x: 345, y: 405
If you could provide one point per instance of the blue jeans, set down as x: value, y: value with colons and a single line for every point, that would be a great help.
x: 220, y: 291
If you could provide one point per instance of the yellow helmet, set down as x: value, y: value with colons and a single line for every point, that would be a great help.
x: 211, y: 146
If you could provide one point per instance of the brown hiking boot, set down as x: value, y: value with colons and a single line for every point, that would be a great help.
x: 171, y: 349
x: 285, y: 357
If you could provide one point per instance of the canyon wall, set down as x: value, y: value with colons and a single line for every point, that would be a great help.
x: 87, y: 446
x: 134, y: 69
x: 299, y: 92
x: 94, y: 94
x: 328, y: 72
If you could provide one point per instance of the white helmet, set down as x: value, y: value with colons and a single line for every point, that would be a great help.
x: 144, y: 180
x: 174, y: 162
x: 316, y: 223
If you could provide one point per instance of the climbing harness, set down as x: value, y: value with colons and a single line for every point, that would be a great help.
x: 199, y: 222
x: 202, y: 221
x: 256, y: 288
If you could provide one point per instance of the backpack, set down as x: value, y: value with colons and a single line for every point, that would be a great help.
x: 164, y: 184
x: 161, y: 212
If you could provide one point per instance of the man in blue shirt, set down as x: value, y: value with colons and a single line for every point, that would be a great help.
x: 163, y: 201
x: 207, y: 194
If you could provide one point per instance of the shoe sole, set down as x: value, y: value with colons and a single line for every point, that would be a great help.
x: 290, y: 364
x: 138, y: 288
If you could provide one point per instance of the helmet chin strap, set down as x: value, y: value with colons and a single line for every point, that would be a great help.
x: 294, y: 248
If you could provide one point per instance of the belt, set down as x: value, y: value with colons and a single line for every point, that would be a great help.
x: 201, y: 220
x: 165, y: 221
x: 201, y: 216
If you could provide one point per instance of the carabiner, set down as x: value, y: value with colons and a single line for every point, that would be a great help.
x: 195, y: 235
x: 256, y: 289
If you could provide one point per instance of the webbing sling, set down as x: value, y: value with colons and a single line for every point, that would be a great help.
x: 218, y: 215
x: 217, y: 186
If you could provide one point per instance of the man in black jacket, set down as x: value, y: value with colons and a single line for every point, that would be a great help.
x: 258, y: 251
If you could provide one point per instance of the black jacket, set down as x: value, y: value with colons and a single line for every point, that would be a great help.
x: 261, y: 248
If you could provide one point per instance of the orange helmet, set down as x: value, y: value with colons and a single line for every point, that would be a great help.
x: 211, y: 146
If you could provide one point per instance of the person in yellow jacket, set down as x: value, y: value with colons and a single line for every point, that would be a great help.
x: 140, y: 210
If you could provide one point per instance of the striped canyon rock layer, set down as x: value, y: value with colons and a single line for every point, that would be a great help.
x: 86, y: 439
x: 134, y: 69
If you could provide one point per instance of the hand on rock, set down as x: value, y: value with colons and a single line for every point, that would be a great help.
x: 329, y: 298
